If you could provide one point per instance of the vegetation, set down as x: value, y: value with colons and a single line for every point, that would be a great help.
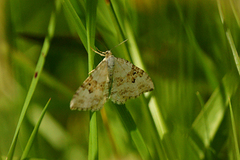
x: 189, y: 48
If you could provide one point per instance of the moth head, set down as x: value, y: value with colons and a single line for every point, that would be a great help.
x: 108, y: 53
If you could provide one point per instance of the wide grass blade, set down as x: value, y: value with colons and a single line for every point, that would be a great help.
x: 37, y: 73
x: 34, y: 133
x: 213, y: 112
x: 208, y: 155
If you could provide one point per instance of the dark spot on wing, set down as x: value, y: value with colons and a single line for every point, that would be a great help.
x: 133, y: 80
x: 118, y: 81
x: 90, y: 90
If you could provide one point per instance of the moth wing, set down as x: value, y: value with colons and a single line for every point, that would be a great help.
x: 93, y: 93
x: 129, y: 81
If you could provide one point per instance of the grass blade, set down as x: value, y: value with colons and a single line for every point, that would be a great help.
x: 38, y: 70
x: 93, y: 137
x: 213, y: 112
x: 208, y: 155
x: 75, y: 21
x: 91, y: 29
x: 91, y: 10
x: 34, y: 133
x: 229, y: 36
x: 134, y: 132
x: 234, y: 50
x: 234, y: 132
x: 235, y: 8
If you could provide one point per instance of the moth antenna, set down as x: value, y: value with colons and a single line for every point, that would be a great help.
x: 119, y: 44
x: 100, y: 52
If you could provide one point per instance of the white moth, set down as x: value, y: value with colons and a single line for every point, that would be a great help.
x: 113, y: 78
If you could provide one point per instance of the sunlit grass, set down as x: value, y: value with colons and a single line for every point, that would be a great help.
x: 189, y: 49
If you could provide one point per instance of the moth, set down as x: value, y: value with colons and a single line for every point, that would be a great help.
x: 113, y: 78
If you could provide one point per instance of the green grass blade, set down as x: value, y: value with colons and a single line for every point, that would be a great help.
x: 134, y: 132
x: 208, y: 155
x: 93, y: 137
x: 107, y: 27
x: 118, y: 16
x: 159, y: 126
x: 91, y: 10
x: 38, y: 70
x: 235, y: 8
x: 75, y: 21
x: 157, y: 118
x: 229, y: 36
x: 203, y: 58
x: 234, y: 50
x: 91, y: 29
x: 234, y: 132
x: 204, y: 115
x: 214, y: 109
x: 34, y: 133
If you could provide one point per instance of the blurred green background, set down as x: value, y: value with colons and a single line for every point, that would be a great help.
x: 185, y: 48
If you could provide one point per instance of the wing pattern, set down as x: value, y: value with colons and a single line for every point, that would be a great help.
x: 93, y: 93
x: 129, y: 81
